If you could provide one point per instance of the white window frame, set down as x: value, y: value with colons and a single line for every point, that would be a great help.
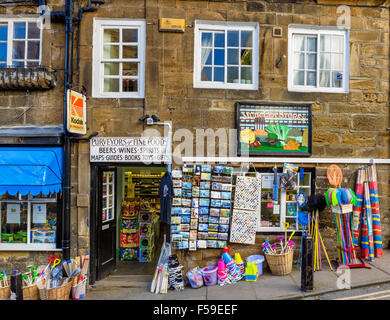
x: 99, y: 24
x: 28, y: 246
x: 204, y: 25
x: 108, y: 195
x: 10, y: 38
x: 317, y: 31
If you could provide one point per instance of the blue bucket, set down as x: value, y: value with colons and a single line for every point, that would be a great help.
x: 258, y: 260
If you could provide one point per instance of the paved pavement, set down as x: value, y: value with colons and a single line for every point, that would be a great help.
x: 267, y: 287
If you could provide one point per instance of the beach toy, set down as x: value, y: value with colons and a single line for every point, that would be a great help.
x: 234, y: 271
x: 258, y: 261
x: 334, y: 175
x: 301, y: 199
x: 239, y: 262
x: 251, y: 272
x: 226, y: 257
x: 195, y: 278
x: 222, y: 274
x: 226, y: 250
x: 210, y: 275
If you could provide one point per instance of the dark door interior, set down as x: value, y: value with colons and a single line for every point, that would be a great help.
x: 106, y: 222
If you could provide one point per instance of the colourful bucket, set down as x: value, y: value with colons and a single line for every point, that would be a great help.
x: 210, y: 275
x: 258, y: 260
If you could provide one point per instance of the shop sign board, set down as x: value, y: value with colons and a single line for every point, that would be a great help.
x: 173, y: 25
x: 77, y: 113
x: 130, y: 149
x: 273, y: 129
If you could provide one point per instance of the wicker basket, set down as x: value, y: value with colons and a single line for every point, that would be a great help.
x: 59, y: 293
x: 5, y: 293
x: 31, y: 293
x: 280, y: 264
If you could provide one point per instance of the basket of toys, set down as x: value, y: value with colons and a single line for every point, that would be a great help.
x: 279, y: 256
x: 60, y: 292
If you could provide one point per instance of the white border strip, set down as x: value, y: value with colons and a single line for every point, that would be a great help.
x: 282, y: 160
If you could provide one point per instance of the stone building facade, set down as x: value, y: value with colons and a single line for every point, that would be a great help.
x: 345, y: 125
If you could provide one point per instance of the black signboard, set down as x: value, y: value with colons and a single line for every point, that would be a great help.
x: 273, y: 129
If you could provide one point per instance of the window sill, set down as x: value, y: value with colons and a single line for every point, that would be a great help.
x: 251, y: 87
x: 28, y: 247
x: 314, y: 90
x: 30, y: 78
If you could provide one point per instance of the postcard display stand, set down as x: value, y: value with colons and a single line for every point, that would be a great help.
x: 201, y: 206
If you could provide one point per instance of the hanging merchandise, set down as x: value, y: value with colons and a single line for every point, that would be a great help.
x: 246, y: 206
x: 275, y: 197
x: 288, y: 180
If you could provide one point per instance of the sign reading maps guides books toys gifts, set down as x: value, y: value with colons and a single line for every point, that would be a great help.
x: 201, y: 206
x: 273, y: 129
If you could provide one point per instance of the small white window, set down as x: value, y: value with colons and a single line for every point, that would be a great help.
x: 226, y: 55
x: 20, y: 42
x: 118, y: 58
x: 318, y: 59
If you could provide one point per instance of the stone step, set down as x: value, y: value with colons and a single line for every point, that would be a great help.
x: 124, y: 281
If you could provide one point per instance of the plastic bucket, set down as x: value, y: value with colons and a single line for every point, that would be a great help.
x: 195, y: 278
x: 210, y: 275
x: 258, y: 260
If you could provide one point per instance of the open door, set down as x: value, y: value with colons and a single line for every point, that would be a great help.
x: 106, y: 222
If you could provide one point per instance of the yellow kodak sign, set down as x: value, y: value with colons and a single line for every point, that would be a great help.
x: 77, y: 113
x: 175, y: 25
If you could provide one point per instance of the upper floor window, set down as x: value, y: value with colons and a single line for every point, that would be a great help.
x: 20, y: 42
x: 118, y: 58
x: 226, y: 55
x: 318, y: 59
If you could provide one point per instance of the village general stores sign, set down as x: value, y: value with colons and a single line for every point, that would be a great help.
x: 130, y: 149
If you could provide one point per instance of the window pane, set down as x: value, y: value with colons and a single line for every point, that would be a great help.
x: 33, y: 31
x: 130, y: 35
x: 299, y: 61
x: 246, y: 57
x: 111, y: 69
x: 207, y: 57
x: 311, y: 44
x: 206, y: 74
x: 129, y: 85
x: 130, y: 52
x: 219, y: 57
x: 3, y: 32
x: 14, y: 222
x: 33, y: 50
x: 325, y: 61
x: 18, y: 50
x: 207, y: 39
x: 3, y: 52
x: 311, y: 78
x: 130, y: 69
x: 111, y: 52
x: 299, y: 43
x: 232, y: 75
x: 337, y: 79
x: 111, y: 35
x: 232, y: 57
x: 19, y: 30
x: 337, y: 61
x: 219, y: 40
x: 246, y: 39
x: 18, y: 63
x: 32, y: 63
x: 43, y: 222
x: 325, y: 43
x: 246, y: 75
x: 299, y: 78
x: 311, y: 61
x: 111, y: 85
x: 232, y: 38
x: 219, y: 75
x: 337, y: 44
x: 324, y: 78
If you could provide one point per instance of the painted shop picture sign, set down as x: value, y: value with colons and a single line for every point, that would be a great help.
x: 273, y: 129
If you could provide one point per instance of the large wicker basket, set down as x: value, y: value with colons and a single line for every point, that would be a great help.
x: 280, y: 264
x: 59, y: 293
x: 31, y: 293
x: 5, y: 293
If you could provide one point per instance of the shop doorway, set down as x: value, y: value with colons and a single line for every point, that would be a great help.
x: 127, y: 235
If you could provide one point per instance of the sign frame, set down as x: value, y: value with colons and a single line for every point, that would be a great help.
x: 71, y: 128
x: 265, y: 105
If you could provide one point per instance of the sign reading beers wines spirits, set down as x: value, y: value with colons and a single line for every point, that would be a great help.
x: 130, y: 149
x: 77, y: 113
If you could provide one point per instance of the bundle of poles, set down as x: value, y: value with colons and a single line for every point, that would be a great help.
x: 347, y: 250
x: 366, y: 224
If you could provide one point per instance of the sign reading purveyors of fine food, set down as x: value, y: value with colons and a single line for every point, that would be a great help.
x: 129, y: 149
x: 274, y: 129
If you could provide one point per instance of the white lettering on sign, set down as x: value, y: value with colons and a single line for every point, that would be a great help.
x: 137, y: 149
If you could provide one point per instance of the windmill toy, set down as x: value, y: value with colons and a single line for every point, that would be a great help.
x: 342, y: 201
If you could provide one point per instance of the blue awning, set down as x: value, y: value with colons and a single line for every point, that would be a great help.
x: 31, y: 170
